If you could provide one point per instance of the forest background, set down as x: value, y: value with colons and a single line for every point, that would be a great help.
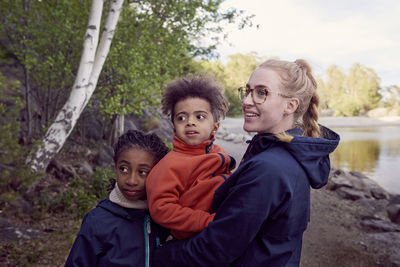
x: 153, y: 43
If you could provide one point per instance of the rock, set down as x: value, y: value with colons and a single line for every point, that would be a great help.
x: 21, y: 206
x: 105, y: 157
x: 92, y: 127
x: 230, y: 137
x: 349, y: 193
x: 393, y: 211
x: 379, y: 225
x: 9, y: 232
x: 239, y: 139
x: 60, y: 170
x: 129, y: 124
x: 85, y: 168
x: 338, y: 181
x: 358, y: 175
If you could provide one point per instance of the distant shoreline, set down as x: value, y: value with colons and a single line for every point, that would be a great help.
x: 359, y: 122
x: 235, y: 125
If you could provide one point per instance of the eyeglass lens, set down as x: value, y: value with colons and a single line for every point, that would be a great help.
x: 259, y: 94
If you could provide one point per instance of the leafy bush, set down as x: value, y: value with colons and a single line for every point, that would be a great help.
x: 101, y: 181
x: 235, y: 105
x: 15, y: 177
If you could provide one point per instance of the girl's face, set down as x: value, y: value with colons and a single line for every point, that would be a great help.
x: 193, y: 120
x: 275, y: 115
x: 132, y: 167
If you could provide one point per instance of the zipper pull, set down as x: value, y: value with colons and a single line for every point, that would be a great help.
x: 148, y: 226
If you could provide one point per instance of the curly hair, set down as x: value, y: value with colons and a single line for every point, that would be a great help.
x: 137, y: 139
x: 204, y: 87
x: 298, y: 81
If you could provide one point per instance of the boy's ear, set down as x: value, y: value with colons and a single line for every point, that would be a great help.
x: 215, y: 128
x: 291, y: 105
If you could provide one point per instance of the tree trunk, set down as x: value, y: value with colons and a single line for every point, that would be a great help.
x: 117, y: 129
x: 28, y: 102
x: 89, y: 70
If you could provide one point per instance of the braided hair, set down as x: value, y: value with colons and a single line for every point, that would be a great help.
x: 298, y: 81
x: 137, y: 139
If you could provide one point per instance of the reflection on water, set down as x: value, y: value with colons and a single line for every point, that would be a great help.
x: 374, y: 152
x: 357, y: 155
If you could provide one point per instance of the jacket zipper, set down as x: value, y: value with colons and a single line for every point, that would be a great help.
x: 147, y: 232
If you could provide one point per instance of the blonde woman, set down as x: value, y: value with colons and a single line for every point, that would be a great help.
x: 263, y: 209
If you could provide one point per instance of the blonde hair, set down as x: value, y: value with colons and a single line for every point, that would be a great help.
x: 298, y: 81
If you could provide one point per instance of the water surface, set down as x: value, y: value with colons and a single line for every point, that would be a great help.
x: 373, y: 151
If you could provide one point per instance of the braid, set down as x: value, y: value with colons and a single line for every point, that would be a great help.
x: 136, y: 139
x: 310, y: 118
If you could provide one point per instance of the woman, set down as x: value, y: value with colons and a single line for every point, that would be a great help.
x: 263, y: 209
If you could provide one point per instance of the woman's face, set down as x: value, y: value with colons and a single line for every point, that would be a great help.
x: 272, y: 116
x: 132, y: 167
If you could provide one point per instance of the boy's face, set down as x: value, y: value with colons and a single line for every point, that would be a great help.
x: 193, y: 121
x: 132, y: 167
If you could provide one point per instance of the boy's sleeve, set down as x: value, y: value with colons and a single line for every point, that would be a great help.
x: 86, y: 248
x: 164, y: 187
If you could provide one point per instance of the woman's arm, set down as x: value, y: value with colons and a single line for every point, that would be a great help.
x: 252, y: 196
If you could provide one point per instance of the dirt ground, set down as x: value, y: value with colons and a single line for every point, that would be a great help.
x: 334, y: 236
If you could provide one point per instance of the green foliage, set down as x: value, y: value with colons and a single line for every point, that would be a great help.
x: 234, y: 74
x: 235, y: 104
x: 15, y: 177
x: 155, y: 42
x: 150, y: 124
x: 45, y: 38
x: 352, y: 94
x: 21, y: 256
x: 392, y: 97
x: 101, y: 182
x: 79, y: 197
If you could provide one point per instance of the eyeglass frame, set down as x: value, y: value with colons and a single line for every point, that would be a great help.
x: 266, y: 89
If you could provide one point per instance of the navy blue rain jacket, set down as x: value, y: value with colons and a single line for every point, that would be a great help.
x: 263, y: 209
x: 112, y: 235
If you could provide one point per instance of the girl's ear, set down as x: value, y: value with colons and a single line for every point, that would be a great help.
x: 291, y: 105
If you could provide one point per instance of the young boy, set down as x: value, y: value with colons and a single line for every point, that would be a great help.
x: 180, y: 188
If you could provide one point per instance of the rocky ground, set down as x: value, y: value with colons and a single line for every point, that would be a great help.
x: 354, y: 222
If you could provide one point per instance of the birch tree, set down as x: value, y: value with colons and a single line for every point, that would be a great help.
x: 92, y: 61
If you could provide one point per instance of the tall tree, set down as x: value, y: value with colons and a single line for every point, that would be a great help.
x: 155, y: 41
x: 363, y: 85
x: 92, y: 61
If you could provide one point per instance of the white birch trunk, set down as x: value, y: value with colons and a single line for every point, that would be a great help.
x: 89, y: 70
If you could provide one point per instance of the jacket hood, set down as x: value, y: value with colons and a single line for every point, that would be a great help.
x: 311, y: 153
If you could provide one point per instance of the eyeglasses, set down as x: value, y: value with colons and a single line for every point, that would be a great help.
x: 258, y: 94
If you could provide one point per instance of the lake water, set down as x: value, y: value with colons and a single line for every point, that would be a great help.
x: 374, y: 152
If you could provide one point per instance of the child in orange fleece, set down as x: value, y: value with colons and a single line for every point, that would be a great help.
x: 180, y: 188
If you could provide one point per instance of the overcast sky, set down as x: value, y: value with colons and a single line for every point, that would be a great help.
x: 340, y: 32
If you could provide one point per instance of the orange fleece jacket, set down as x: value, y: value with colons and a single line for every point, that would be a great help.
x: 180, y: 188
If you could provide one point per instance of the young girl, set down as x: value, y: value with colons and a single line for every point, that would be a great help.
x: 119, y: 231
x: 263, y: 209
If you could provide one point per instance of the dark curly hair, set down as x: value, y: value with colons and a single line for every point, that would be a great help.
x: 137, y: 139
x: 204, y: 87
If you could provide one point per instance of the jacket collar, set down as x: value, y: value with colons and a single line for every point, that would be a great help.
x: 200, y: 149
